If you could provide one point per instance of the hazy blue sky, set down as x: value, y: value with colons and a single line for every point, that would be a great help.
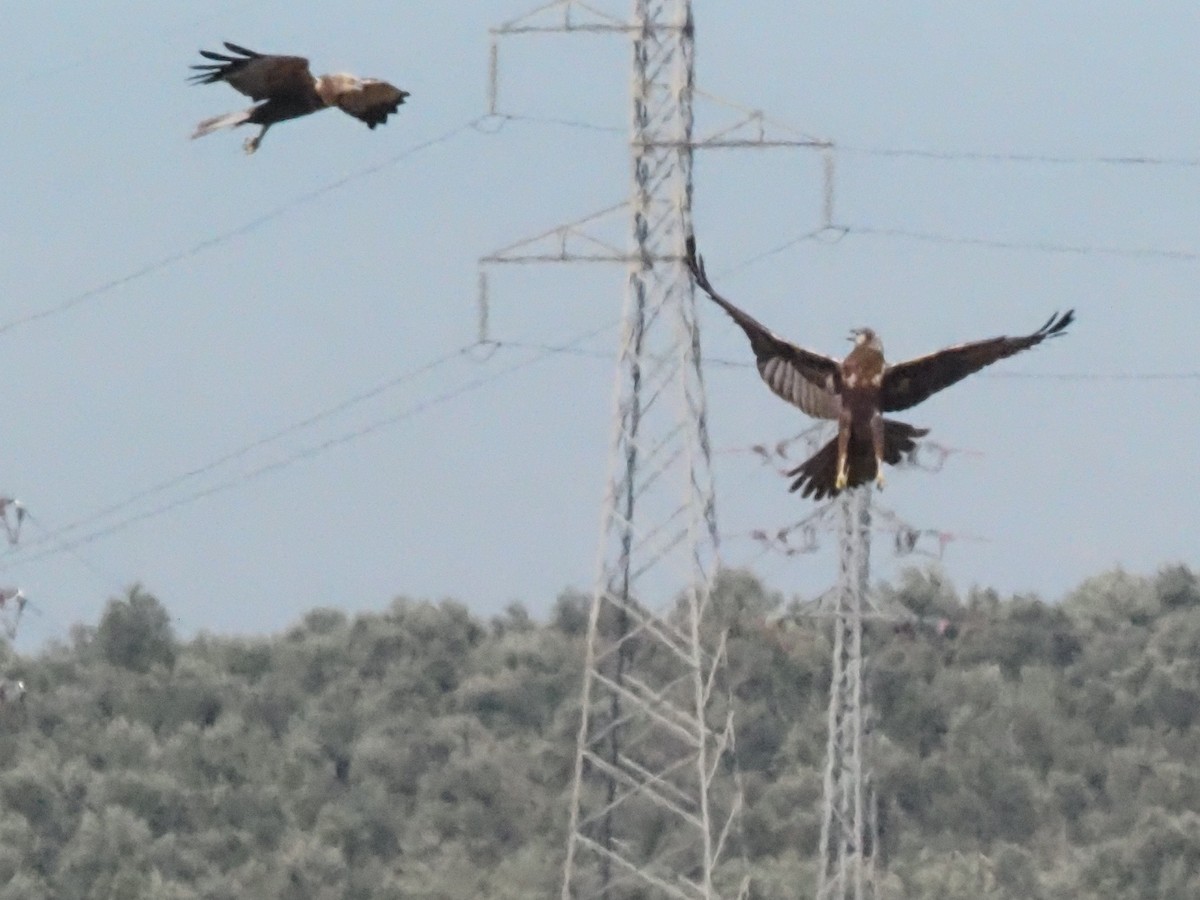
x: 199, y: 301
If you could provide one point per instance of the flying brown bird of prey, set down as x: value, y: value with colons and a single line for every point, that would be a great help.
x: 858, y: 390
x: 289, y: 90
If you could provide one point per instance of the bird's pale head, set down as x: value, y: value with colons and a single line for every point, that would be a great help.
x: 330, y: 87
x: 866, y: 337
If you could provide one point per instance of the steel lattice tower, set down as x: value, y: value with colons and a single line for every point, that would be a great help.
x: 847, y: 835
x: 655, y: 799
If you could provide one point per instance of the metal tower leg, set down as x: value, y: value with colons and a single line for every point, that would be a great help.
x: 847, y: 846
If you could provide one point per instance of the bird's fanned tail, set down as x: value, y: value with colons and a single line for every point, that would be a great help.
x: 816, y: 477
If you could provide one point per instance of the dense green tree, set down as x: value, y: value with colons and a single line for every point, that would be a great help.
x: 1021, y: 749
x: 135, y: 632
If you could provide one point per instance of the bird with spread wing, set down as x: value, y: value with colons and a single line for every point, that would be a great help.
x: 856, y: 391
x: 288, y: 90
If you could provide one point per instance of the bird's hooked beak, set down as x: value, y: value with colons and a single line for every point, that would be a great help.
x: 852, y: 337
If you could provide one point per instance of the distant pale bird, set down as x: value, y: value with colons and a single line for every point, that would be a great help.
x: 856, y: 391
x: 288, y: 90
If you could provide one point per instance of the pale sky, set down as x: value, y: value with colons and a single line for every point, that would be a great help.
x: 167, y: 304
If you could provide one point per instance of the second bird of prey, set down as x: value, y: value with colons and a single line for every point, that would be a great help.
x: 858, y: 390
x: 288, y: 90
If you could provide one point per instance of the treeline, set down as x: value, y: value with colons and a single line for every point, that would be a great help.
x: 1022, y: 750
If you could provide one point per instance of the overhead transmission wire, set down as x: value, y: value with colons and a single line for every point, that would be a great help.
x: 223, y: 237
x: 485, y: 124
x: 1015, y: 157
x: 55, y: 537
x: 502, y: 118
x: 833, y: 233
x: 721, y: 362
x: 491, y: 123
x: 1031, y: 246
x: 1177, y: 162
x: 70, y: 544
x: 103, y: 575
x: 246, y: 449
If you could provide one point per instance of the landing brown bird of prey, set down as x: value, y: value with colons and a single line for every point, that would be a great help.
x: 858, y: 390
x: 289, y: 90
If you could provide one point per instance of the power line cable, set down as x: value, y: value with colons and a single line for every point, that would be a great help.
x: 1031, y: 246
x: 110, y: 580
x: 245, y: 228
x: 720, y: 362
x: 833, y: 234
x: 1179, y: 162
x: 501, y: 119
x: 244, y: 450
x: 410, y: 412
x: 991, y: 156
x: 1099, y: 376
x: 828, y: 233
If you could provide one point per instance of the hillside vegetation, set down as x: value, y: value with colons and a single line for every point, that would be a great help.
x: 1022, y: 750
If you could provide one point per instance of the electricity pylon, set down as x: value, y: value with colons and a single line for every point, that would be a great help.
x: 849, y: 815
x: 12, y: 599
x: 655, y: 799
x: 654, y: 802
x: 849, y: 838
x: 848, y: 841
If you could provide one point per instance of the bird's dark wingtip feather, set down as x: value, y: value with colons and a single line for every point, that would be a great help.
x: 1058, y: 324
x: 816, y: 492
x: 208, y: 77
x: 234, y: 48
x: 693, y: 259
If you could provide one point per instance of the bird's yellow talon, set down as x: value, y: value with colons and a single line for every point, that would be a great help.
x: 840, y: 483
x: 879, y: 480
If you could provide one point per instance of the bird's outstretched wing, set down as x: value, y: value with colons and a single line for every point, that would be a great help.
x: 372, y: 102
x: 805, y: 379
x: 257, y: 75
x: 908, y: 383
